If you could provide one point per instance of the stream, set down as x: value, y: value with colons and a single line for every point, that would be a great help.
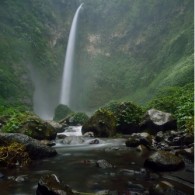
x: 76, y: 165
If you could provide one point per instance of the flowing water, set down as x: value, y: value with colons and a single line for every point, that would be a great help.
x: 75, y: 165
x: 69, y: 62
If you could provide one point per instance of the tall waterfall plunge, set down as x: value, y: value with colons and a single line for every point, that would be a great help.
x: 69, y: 62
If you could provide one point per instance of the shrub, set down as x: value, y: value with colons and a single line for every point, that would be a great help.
x: 177, y: 100
x: 126, y: 113
x: 77, y: 118
x: 61, y: 112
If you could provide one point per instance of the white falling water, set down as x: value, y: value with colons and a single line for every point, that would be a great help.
x: 69, y: 62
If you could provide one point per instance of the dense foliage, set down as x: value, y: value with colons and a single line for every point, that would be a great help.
x: 130, y: 49
x: 179, y: 101
x: 127, y: 50
x: 125, y: 112
x: 76, y: 118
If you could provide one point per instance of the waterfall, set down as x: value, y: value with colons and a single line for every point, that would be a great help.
x: 68, y: 64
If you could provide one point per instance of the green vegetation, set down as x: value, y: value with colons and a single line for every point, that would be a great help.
x: 76, y: 118
x: 14, y: 155
x: 179, y: 101
x: 131, y: 49
x: 61, y: 112
x: 126, y: 113
x: 32, y: 38
x: 15, y: 120
x: 136, y: 50
x: 102, y: 123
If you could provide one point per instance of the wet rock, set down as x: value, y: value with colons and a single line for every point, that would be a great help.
x: 88, y: 134
x: 51, y: 184
x: 94, y: 141
x: 159, y: 136
x: 132, y: 142
x: 156, y: 121
x: 187, y: 153
x: 35, y: 149
x: 73, y: 140
x: 135, y: 187
x: 37, y: 128
x: 21, y: 178
x: 103, y: 164
x: 57, y: 126
x: 188, y: 139
x: 48, y: 143
x: 141, y: 174
x: 139, y: 139
x: 102, y: 124
x: 164, y: 161
x: 162, y: 188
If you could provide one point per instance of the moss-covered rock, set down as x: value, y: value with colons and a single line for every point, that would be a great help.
x: 164, y: 161
x: 51, y: 184
x: 77, y: 118
x: 102, y: 124
x: 29, y: 124
x: 61, y: 112
x: 15, y: 154
x: 128, y: 116
x: 35, y: 148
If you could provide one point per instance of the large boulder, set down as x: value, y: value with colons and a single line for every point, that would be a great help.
x: 102, y: 124
x: 57, y: 126
x: 52, y: 185
x: 38, y: 129
x: 155, y: 121
x: 164, y: 161
x: 29, y: 124
x: 137, y: 139
x: 35, y: 148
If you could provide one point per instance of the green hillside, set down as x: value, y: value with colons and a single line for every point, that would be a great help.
x: 126, y: 49
x: 133, y: 48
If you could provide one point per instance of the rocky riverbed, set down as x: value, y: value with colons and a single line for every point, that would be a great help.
x: 136, y: 164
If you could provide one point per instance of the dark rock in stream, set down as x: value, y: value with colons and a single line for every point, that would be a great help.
x: 165, y: 188
x: 137, y: 139
x: 35, y: 148
x: 51, y: 185
x: 164, y: 161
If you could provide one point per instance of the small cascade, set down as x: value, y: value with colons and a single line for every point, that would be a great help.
x: 69, y: 62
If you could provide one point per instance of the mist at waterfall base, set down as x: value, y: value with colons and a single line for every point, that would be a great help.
x: 69, y: 62
x: 45, y: 95
x: 45, y: 98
